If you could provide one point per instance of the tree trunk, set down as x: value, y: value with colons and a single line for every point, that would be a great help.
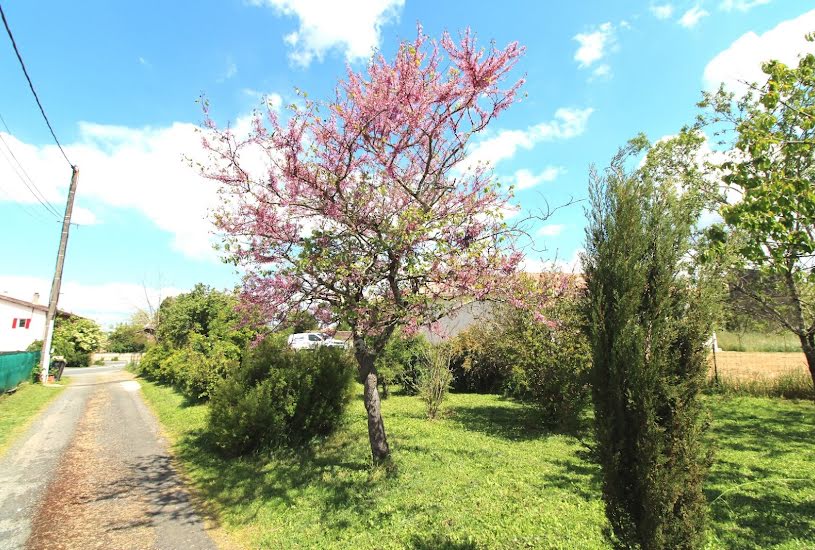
x: 376, y: 428
x: 808, y: 345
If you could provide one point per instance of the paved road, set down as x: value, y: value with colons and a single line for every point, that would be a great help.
x: 94, y: 472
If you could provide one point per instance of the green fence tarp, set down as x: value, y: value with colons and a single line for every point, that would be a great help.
x: 16, y: 367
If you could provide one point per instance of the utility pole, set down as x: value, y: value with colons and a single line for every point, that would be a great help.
x: 45, y: 356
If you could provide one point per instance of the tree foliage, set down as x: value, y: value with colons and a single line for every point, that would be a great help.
x: 648, y: 316
x: 771, y: 225
x: 200, y: 339
x: 76, y: 338
x: 363, y: 210
x: 127, y: 338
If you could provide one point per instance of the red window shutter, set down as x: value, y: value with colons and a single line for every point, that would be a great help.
x: 14, y: 323
x: 27, y: 323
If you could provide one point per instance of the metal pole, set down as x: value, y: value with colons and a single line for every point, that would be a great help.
x: 715, y: 366
x: 45, y: 359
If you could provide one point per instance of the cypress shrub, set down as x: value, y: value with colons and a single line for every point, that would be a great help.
x: 648, y: 317
x: 278, y: 397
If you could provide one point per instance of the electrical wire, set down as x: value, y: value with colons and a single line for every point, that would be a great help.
x: 31, y: 85
x: 36, y: 190
x: 34, y: 214
x: 22, y: 179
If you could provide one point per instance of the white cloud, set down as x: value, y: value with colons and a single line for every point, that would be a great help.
x: 594, y: 45
x: 140, y: 169
x: 525, y: 179
x: 355, y: 31
x: 742, y: 5
x: 572, y: 264
x: 83, y: 216
x: 692, y: 17
x: 568, y: 123
x: 662, y: 11
x: 602, y: 71
x: 107, y: 304
x: 741, y: 61
x: 551, y: 230
x: 569, y: 265
x: 144, y: 62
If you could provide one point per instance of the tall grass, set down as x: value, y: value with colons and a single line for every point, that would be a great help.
x: 758, y: 342
x: 790, y: 385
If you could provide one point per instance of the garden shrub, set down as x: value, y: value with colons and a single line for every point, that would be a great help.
x: 400, y: 363
x: 543, y: 364
x: 648, y: 316
x: 280, y: 397
x: 76, y: 338
x: 436, y: 377
x: 200, y: 339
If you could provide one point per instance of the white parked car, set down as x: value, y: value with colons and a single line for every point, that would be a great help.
x: 313, y: 340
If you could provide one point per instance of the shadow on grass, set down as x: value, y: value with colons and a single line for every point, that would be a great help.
x: 345, y: 482
x: 780, y: 433
x: 513, y: 422
x: 763, y: 515
x: 438, y: 541
x: 758, y: 502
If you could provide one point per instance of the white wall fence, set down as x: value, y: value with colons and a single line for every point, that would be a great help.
x: 126, y: 357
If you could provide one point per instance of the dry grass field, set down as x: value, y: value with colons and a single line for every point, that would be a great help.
x: 754, y: 365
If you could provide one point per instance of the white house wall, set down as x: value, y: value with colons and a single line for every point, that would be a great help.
x: 18, y: 339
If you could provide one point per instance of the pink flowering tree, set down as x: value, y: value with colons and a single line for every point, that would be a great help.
x: 363, y: 210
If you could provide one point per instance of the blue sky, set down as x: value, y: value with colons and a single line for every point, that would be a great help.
x: 119, y: 82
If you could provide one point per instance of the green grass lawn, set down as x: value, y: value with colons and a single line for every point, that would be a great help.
x: 758, y: 342
x: 17, y: 410
x: 486, y: 476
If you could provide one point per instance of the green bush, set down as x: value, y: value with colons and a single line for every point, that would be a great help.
x: 280, y: 397
x: 436, y: 377
x: 517, y: 356
x: 550, y: 365
x: 127, y: 338
x: 76, y: 338
x: 194, y: 369
x: 400, y: 363
x: 648, y: 316
x: 200, y: 339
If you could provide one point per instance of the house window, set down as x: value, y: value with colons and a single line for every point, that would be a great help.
x: 20, y: 323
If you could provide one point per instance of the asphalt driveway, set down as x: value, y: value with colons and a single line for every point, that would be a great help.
x: 93, y: 471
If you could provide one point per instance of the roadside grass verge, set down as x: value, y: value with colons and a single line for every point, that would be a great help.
x: 18, y: 410
x: 758, y: 342
x: 486, y: 475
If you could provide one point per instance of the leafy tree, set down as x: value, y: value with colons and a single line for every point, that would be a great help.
x: 364, y: 211
x: 127, y: 338
x: 648, y: 316
x: 201, y: 339
x: 76, y: 338
x: 203, y: 311
x: 772, y: 224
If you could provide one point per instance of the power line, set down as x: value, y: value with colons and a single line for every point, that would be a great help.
x: 34, y: 214
x: 36, y: 191
x: 22, y: 179
x: 31, y: 85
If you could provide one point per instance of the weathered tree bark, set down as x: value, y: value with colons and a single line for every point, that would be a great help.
x: 376, y: 427
x: 808, y: 346
x: 800, y: 325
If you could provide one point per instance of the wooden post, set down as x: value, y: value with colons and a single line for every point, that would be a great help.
x: 45, y: 357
